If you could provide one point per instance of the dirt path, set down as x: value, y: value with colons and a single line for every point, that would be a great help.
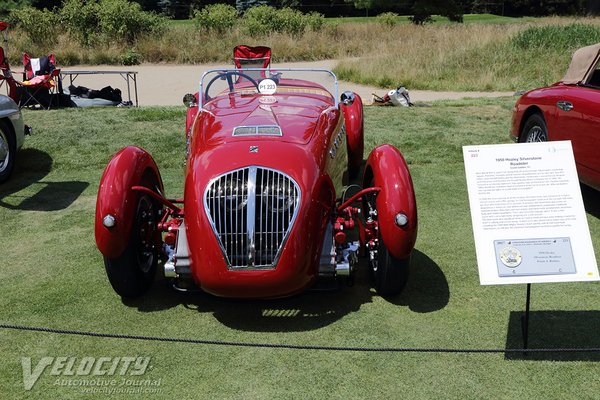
x: 165, y: 84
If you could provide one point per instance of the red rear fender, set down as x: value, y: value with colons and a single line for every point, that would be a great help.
x: 387, y: 169
x: 353, y: 117
x: 131, y: 166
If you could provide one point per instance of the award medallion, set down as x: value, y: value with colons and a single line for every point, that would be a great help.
x: 510, y: 256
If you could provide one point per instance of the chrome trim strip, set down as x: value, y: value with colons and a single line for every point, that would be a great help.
x: 251, y: 216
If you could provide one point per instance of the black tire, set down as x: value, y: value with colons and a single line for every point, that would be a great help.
x: 8, y: 151
x: 132, y: 273
x: 389, y: 273
x: 534, y: 130
x: 353, y: 172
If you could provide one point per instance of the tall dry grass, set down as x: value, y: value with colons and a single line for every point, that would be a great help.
x: 186, y: 45
x: 437, y: 57
x: 430, y: 57
x: 459, y: 57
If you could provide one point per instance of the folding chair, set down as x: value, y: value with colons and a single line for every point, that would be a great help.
x: 252, y: 57
x: 41, y: 83
x: 6, y: 78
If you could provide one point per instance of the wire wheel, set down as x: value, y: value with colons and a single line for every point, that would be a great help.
x: 389, y: 273
x: 534, y: 130
x: 131, y: 274
x: 146, y: 230
x: 7, y: 151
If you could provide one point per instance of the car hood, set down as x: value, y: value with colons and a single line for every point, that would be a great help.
x: 296, y: 116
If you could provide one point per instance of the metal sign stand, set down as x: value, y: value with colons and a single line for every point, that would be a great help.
x: 525, y: 320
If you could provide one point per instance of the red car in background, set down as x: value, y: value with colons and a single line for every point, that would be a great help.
x: 567, y: 110
x: 264, y: 213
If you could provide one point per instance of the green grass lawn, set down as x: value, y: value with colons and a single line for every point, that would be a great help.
x: 52, y: 275
x: 437, y: 19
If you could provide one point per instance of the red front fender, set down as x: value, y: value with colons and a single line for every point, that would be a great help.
x: 190, y: 116
x: 131, y: 166
x: 387, y: 169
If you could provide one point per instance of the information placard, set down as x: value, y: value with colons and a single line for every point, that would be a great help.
x: 528, y: 217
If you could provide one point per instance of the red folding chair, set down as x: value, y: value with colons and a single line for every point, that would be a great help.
x: 41, y: 84
x: 6, y: 78
x: 252, y: 57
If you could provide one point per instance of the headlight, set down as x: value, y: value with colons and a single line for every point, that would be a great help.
x: 234, y: 195
x: 278, y: 199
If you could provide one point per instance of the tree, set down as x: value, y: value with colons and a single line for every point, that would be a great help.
x: 593, y: 7
x: 243, y: 5
x: 7, y: 5
x: 362, y: 4
x: 424, y: 9
x: 375, y: 4
x: 289, y: 3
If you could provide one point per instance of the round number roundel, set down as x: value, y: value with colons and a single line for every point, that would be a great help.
x: 267, y: 86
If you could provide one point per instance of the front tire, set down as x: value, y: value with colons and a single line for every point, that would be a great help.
x: 534, y: 130
x: 389, y: 273
x: 8, y: 150
x: 131, y: 274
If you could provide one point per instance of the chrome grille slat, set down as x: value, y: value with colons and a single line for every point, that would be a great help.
x: 228, y: 228
x: 277, y: 208
x: 261, y: 235
x: 272, y: 228
x: 251, y: 217
x: 251, y: 211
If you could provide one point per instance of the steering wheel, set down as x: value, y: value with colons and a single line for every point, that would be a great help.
x: 227, y: 75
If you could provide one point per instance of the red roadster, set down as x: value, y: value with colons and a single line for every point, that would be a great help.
x: 264, y: 212
x: 567, y: 110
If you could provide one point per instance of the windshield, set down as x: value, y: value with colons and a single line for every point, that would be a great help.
x: 268, y: 82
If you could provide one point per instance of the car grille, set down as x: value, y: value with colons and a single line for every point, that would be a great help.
x: 252, y: 211
x: 260, y: 130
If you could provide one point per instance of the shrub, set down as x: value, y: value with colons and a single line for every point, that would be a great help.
x: 131, y: 57
x: 314, y: 21
x: 80, y: 19
x: 122, y: 20
x: 388, y: 19
x: 262, y: 20
x: 557, y: 37
x: 291, y: 21
x: 108, y: 21
x: 216, y: 17
x: 40, y: 25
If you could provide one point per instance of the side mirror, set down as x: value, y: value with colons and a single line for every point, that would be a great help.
x: 189, y: 100
x: 347, y: 98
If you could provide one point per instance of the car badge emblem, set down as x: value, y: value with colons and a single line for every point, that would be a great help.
x: 253, y: 149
